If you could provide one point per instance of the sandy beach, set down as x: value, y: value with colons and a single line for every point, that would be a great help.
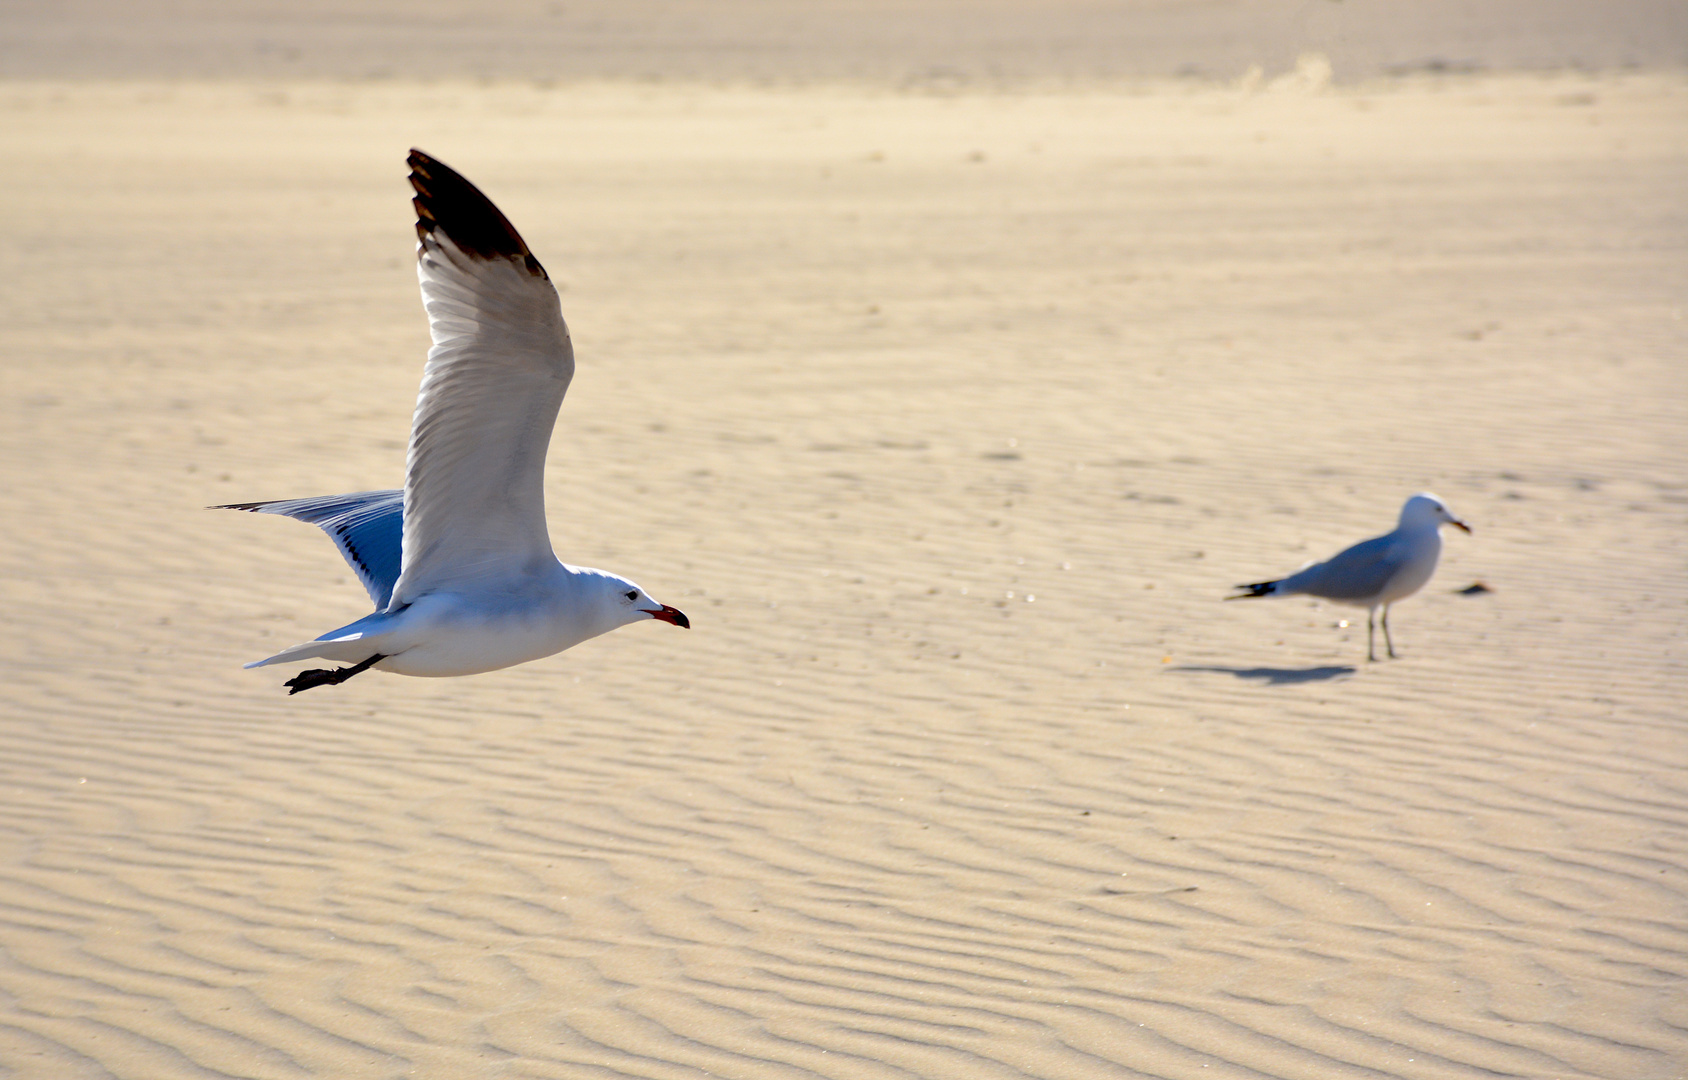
x: 948, y: 409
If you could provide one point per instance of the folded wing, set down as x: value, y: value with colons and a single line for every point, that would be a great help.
x: 474, y: 503
x: 1359, y: 573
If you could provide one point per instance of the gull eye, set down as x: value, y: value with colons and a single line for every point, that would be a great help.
x: 632, y: 594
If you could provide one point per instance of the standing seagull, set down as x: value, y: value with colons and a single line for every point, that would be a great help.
x: 459, y: 563
x: 1377, y: 572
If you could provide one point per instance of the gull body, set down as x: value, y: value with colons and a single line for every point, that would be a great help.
x: 459, y: 562
x: 467, y: 632
x: 1374, y: 573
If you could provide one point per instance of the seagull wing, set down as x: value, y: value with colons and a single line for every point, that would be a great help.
x: 474, y: 501
x: 366, y: 526
x: 1356, y: 574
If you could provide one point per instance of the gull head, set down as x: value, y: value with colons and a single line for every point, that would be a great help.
x: 619, y: 602
x: 1426, y: 510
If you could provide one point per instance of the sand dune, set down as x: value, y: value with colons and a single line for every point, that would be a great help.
x: 948, y: 419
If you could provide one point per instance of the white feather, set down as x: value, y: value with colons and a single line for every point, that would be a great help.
x: 496, y: 375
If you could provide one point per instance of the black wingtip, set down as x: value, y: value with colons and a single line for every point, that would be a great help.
x: 445, y: 201
x: 1258, y: 588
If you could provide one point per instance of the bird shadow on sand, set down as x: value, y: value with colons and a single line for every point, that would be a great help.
x: 1273, y: 676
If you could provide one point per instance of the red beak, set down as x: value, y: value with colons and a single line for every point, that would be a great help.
x: 672, y: 615
x: 1460, y: 525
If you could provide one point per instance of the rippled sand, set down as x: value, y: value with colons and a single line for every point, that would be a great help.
x: 948, y: 419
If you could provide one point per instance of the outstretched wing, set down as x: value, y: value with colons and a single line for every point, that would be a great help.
x: 367, y: 527
x: 474, y: 501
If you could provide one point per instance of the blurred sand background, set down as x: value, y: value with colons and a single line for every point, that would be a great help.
x: 946, y: 363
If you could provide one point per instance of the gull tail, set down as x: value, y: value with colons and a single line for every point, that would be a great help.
x: 346, y: 648
x: 1259, y: 588
x: 352, y: 642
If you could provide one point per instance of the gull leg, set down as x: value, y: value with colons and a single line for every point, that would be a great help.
x: 1389, y: 644
x: 305, y: 680
x: 1371, y: 632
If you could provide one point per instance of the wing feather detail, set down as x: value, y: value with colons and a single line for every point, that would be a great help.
x: 366, y: 526
x: 474, y: 508
x: 1358, y: 573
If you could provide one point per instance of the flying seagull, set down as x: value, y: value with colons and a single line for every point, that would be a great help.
x: 1377, y: 572
x: 459, y: 563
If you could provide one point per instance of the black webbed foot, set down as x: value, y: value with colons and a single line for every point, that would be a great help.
x: 305, y: 680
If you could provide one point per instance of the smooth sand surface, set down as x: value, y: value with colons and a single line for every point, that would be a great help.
x: 904, y: 42
x: 948, y: 418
